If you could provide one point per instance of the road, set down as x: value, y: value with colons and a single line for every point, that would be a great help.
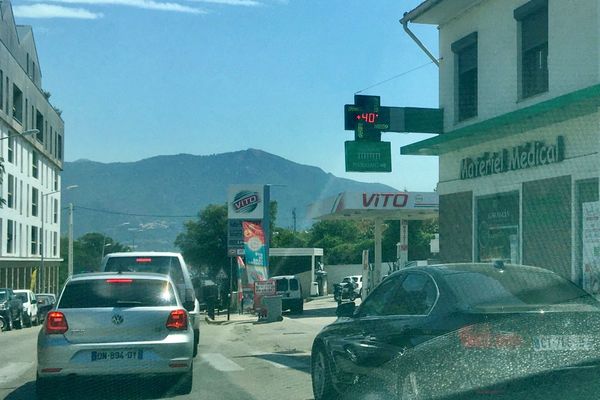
x: 237, y: 360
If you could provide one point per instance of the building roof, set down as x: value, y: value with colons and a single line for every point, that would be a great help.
x: 435, y: 12
x: 561, y: 108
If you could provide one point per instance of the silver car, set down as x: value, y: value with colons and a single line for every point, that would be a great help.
x: 111, y: 324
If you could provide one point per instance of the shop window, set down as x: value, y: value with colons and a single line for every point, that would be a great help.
x: 498, y: 228
x: 456, y: 227
x: 588, y: 235
x: 465, y: 51
x: 533, y: 22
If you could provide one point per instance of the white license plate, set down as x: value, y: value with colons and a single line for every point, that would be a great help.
x: 117, y: 355
x: 562, y: 343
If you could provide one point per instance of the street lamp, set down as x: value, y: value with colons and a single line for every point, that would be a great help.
x: 42, y: 241
x: 24, y: 133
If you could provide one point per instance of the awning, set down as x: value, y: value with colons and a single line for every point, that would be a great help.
x: 558, y: 109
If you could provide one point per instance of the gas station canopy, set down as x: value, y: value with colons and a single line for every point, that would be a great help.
x: 377, y: 205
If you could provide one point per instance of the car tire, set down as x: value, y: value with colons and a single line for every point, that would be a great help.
x: 321, y: 376
x: 29, y: 322
x: 408, y: 387
x: 3, y: 325
x: 196, y: 341
x: 10, y: 324
x: 45, y: 389
x: 19, y: 324
x: 183, y: 383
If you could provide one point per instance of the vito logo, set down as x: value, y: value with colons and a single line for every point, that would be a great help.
x: 245, y: 201
x: 384, y: 200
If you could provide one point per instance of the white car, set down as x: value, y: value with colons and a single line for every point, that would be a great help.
x: 111, y: 324
x: 30, y: 308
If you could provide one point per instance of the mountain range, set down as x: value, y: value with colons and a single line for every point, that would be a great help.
x: 144, y: 203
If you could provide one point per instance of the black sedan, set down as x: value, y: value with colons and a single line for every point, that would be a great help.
x: 463, y: 331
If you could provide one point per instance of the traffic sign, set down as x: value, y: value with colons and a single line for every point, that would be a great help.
x: 364, y: 156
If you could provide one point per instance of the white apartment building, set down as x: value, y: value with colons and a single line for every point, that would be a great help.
x: 33, y: 164
x: 519, y: 159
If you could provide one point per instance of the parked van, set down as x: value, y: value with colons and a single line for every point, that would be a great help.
x: 167, y: 263
x: 290, y: 290
x: 30, y: 308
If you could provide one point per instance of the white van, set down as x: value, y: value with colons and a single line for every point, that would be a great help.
x: 290, y: 290
x: 30, y: 308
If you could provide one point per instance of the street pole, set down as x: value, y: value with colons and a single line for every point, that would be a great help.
x: 70, y: 255
x: 230, y: 286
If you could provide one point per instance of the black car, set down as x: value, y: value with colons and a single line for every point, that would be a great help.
x: 462, y: 330
x: 11, y: 310
x: 45, y: 302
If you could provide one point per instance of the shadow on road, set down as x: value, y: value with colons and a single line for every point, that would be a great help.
x: 101, y: 388
x: 314, y: 313
x: 286, y: 359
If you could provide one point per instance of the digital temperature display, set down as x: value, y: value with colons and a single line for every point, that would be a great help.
x: 370, y: 118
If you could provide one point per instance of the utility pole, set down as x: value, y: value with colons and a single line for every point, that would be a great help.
x: 70, y: 255
x: 294, y: 218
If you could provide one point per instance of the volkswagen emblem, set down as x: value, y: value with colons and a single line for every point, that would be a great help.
x: 117, y: 319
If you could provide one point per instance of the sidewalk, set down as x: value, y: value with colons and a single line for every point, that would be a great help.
x: 234, y: 317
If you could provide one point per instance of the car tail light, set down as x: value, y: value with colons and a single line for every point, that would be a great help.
x: 119, y: 280
x: 56, y: 323
x: 482, y: 337
x: 178, y: 320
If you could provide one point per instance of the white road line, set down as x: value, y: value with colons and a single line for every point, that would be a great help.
x: 13, y: 371
x: 286, y: 361
x: 219, y: 362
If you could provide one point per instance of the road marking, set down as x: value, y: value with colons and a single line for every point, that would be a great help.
x: 219, y: 362
x: 280, y: 360
x: 13, y: 371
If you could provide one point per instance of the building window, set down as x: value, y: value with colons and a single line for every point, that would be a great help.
x: 56, y: 211
x: 39, y: 125
x: 1, y: 89
x: 34, y: 202
x: 11, y: 149
x: 11, y: 196
x: 533, y: 21
x: 59, y: 147
x: 10, y: 236
x: 17, y: 104
x: 33, y: 71
x: 54, y: 244
x: 55, y: 180
x: 34, y: 240
x: 34, y: 164
x: 465, y: 51
x: 27, y: 64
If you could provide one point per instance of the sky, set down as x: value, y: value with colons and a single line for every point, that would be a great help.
x: 140, y: 78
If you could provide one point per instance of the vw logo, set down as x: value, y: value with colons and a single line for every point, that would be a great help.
x: 117, y: 319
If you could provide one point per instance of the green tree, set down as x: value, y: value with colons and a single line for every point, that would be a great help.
x: 203, y: 242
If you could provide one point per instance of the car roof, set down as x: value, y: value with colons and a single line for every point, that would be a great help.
x: 116, y: 275
x: 448, y: 269
x: 143, y: 253
x: 284, y: 277
x: 22, y: 290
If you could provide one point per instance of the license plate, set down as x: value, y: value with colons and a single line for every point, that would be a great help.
x: 117, y: 355
x: 562, y: 343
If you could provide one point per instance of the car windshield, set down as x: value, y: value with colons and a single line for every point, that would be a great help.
x: 99, y: 293
x: 281, y: 285
x: 156, y: 264
x: 512, y: 288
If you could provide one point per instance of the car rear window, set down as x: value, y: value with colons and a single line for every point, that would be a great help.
x: 99, y: 293
x: 281, y: 285
x: 2, y: 295
x: 22, y: 297
x: 513, y: 288
x: 166, y: 265
x: 293, y: 284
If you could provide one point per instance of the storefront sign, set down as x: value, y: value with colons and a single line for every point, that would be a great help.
x: 532, y: 154
x: 246, y: 202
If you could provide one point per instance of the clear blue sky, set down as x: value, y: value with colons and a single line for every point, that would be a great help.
x: 138, y: 78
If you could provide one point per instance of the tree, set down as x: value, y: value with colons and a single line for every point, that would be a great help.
x: 203, y: 242
x: 87, y: 252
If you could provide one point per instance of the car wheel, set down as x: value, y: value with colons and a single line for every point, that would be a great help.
x: 320, y: 371
x: 45, y: 389
x: 182, y: 384
x: 300, y: 307
x: 19, y: 324
x: 409, y: 387
x: 3, y: 324
x: 10, y: 324
x: 29, y: 322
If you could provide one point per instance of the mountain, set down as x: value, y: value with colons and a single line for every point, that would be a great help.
x: 181, y: 185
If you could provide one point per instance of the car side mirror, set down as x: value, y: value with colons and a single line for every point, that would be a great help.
x: 345, y: 309
x: 34, y: 301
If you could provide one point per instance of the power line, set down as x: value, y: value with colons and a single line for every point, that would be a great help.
x: 395, y: 77
x: 131, y: 214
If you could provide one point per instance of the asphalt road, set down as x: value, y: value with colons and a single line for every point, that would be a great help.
x: 237, y: 360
